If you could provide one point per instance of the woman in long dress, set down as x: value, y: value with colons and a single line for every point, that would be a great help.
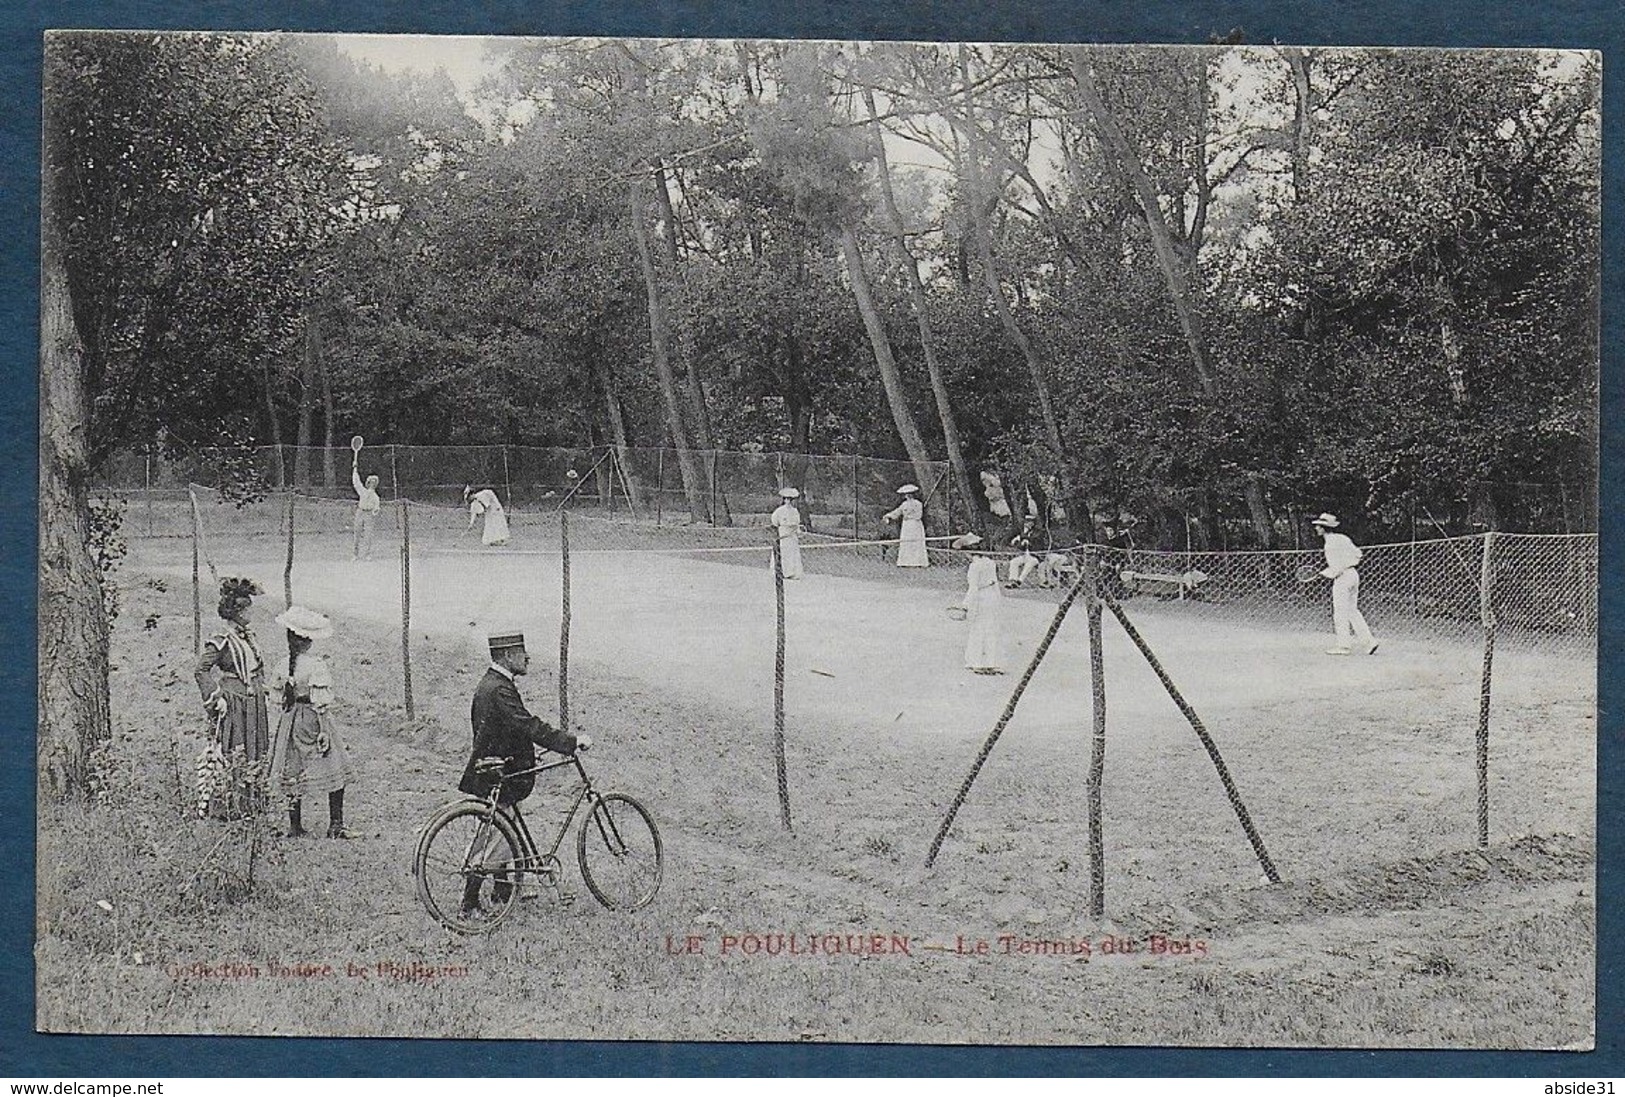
x: 485, y: 502
x: 786, y: 520
x: 308, y: 757
x: 230, y: 675
x: 911, y: 533
x: 984, y: 610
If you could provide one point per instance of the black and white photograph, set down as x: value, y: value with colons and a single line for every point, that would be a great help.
x: 796, y: 541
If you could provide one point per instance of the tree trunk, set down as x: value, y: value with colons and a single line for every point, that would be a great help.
x: 1302, y: 121
x: 307, y: 403
x: 275, y: 426
x: 329, y: 429
x: 916, y: 293
x: 659, y: 344
x: 691, y: 375
x: 1162, y: 241
x: 617, y: 432
x: 890, y: 379
x: 73, y: 642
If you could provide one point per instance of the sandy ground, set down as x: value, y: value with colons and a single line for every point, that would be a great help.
x: 1389, y: 928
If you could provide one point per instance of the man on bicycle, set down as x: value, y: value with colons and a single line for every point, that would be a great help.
x: 504, y: 728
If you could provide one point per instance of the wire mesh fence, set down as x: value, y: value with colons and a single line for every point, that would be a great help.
x: 693, y: 606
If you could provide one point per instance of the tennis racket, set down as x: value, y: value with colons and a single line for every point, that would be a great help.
x: 1307, y: 573
x: 356, y: 443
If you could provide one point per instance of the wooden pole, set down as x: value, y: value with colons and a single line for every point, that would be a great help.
x: 1486, y: 609
x: 394, y: 481
x: 1097, y: 753
x: 778, y: 682
x: 197, y: 582
x: 507, y: 482
x: 406, y: 598
x: 660, y: 484
x: 564, y: 621
x: 287, y: 567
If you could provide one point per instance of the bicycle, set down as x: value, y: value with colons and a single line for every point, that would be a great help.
x: 477, y: 839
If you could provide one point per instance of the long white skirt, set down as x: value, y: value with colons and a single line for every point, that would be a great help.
x: 496, y: 527
x: 789, y: 557
x: 911, y: 552
x: 984, y: 644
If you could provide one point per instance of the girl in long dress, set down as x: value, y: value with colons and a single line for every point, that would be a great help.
x: 984, y: 610
x: 911, y: 533
x: 230, y: 675
x: 309, y: 756
x: 787, y: 521
x: 485, y: 502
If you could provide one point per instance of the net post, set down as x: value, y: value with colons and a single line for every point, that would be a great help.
x: 394, y: 480
x: 778, y: 680
x: 287, y: 566
x: 406, y: 599
x: 197, y: 583
x: 1097, y: 751
x: 564, y: 620
x: 1486, y: 609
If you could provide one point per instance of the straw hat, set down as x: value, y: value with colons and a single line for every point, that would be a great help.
x: 305, y: 622
x: 1329, y: 521
x: 789, y: 493
x: 908, y: 489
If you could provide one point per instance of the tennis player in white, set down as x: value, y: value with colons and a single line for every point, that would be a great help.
x: 1342, y: 559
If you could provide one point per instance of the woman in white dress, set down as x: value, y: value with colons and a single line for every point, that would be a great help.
x: 910, y: 512
x: 984, y: 609
x: 787, y: 521
x: 308, y: 756
x: 485, y: 502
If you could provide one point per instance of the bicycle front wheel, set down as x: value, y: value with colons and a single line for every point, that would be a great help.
x: 468, y: 868
x: 619, y: 851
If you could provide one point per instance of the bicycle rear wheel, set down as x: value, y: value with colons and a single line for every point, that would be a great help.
x: 467, y: 868
x: 619, y: 850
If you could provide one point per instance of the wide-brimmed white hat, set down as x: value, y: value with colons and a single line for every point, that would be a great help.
x: 967, y: 540
x: 1328, y: 520
x: 789, y: 493
x: 908, y: 489
x: 305, y: 622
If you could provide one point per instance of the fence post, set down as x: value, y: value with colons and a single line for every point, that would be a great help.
x: 149, y: 493
x: 564, y: 621
x: 660, y: 484
x: 394, y: 481
x: 1486, y: 609
x: 287, y: 567
x: 1097, y: 752
x: 406, y: 598
x: 507, y: 482
x: 197, y: 583
x: 778, y: 682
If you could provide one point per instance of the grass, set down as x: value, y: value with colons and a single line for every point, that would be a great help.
x: 150, y: 921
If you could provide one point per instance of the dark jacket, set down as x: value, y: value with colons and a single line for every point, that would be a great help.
x: 504, y: 728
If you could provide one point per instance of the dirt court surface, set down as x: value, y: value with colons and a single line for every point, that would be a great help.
x: 1389, y: 928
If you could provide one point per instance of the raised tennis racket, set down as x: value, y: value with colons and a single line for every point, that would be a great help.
x: 356, y: 443
x: 1307, y: 573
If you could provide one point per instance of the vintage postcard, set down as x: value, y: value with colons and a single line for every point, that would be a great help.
x: 750, y: 540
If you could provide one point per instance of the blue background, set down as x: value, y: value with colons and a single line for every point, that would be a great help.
x: 1591, y: 24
